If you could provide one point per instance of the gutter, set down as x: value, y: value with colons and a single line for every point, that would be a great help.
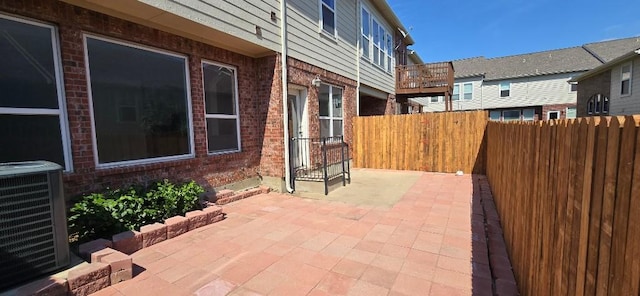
x: 285, y: 94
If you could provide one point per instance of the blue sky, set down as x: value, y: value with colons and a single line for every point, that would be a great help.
x: 454, y: 29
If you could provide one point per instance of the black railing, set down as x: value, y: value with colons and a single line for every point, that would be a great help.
x: 319, y: 159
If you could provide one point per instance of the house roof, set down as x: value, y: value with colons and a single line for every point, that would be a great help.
x: 608, y: 65
x: 609, y: 50
x: 388, y: 13
x: 415, y: 58
x: 565, y: 60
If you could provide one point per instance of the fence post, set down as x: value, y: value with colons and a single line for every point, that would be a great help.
x: 344, y: 181
x: 292, y: 170
x: 324, y: 165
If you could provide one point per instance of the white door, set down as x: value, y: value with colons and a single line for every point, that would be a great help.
x: 297, y: 103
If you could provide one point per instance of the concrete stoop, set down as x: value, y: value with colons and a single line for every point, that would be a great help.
x: 226, y: 196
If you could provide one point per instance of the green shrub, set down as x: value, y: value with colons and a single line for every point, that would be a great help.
x: 100, y: 215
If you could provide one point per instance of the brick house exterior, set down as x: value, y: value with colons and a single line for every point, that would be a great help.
x: 260, y: 105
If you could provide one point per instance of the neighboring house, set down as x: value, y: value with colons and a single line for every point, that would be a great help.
x: 611, y: 88
x: 527, y: 86
x: 135, y: 91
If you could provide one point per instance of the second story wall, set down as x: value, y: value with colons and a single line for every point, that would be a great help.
x: 374, y: 72
x: 529, y: 91
x: 309, y: 42
x: 625, y: 104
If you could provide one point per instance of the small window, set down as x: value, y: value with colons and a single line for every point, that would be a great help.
x: 528, y: 114
x: 328, y: 16
x: 32, y: 116
x: 437, y: 99
x: 574, y: 87
x: 625, y: 80
x: 456, y: 92
x: 221, y: 108
x: 366, y: 31
x: 598, y: 105
x: 553, y: 115
x: 124, y: 78
x: 330, y: 99
x: 571, y: 112
x: 467, y: 91
x: 495, y: 115
x: 511, y: 115
x: 505, y: 89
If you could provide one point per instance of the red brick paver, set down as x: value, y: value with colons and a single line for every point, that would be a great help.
x: 431, y: 242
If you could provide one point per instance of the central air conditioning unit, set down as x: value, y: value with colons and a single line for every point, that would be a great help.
x: 33, y: 223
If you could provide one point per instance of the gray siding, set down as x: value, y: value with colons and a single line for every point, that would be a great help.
x: 630, y: 104
x: 307, y: 42
x: 234, y: 17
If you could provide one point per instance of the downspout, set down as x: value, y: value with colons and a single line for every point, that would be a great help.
x: 285, y: 93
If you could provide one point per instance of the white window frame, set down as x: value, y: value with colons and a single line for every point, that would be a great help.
x: 630, y: 79
x: 508, y: 83
x: 222, y: 116
x: 331, y: 118
x: 367, y: 36
x: 125, y: 163
x: 61, y: 111
x: 463, y: 97
x: 554, y: 112
x: 387, y: 61
x: 453, y: 92
x: 335, y: 18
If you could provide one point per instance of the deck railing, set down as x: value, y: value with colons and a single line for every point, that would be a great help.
x: 424, y: 78
x: 319, y: 159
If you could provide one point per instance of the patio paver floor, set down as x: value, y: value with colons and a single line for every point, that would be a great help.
x: 275, y: 244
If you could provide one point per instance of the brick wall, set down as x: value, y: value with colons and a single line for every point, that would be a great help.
x: 260, y: 111
x: 599, y: 84
x: 370, y: 106
x: 559, y: 107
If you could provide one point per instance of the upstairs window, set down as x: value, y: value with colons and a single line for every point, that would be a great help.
x: 330, y: 98
x: 32, y: 117
x: 467, y: 91
x: 366, y: 32
x: 456, y: 92
x: 389, y: 52
x: 574, y: 87
x: 625, y: 79
x: 221, y: 108
x: 328, y: 16
x: 376, y: 42
x: 505, y: 89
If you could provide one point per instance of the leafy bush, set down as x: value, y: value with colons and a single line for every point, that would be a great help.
x: 100, y: 215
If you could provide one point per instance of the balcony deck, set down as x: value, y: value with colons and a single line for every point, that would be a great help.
x: 424, y: 80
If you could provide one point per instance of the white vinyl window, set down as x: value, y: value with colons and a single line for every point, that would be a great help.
x: 505, y: 89
x: 221, y: 107
x: 467, y: 91
x: 528, y: 114
x: 330, y: 99
x: 571, y: 112
x: 152, y: 82
x: 328, y: 16
x: 377, y: 43
x: 553, y: 115
x: 32, y: 109
x: 625, y: 79
x: 437, y: 99
x: 365, y: 29
x: 456, y: 92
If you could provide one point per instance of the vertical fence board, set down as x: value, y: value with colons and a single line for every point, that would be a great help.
x: 586, y: 206
x: 632, y: 255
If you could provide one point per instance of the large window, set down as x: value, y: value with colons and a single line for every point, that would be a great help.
x: 377, y: 43
x: 221, y: 108
x: 330, y: 98
x: 512, y: 115
x: 152, y: 87
x: 625, y: 79
x: 467, y: 91
x: 505, y: 89
x: 32, y: 117
x: 328, y: 16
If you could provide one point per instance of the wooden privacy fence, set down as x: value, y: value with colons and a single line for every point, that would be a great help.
x: 568, y: 194
x: 435, y: 142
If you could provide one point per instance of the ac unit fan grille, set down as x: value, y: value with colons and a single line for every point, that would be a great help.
x: 27, y: 243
